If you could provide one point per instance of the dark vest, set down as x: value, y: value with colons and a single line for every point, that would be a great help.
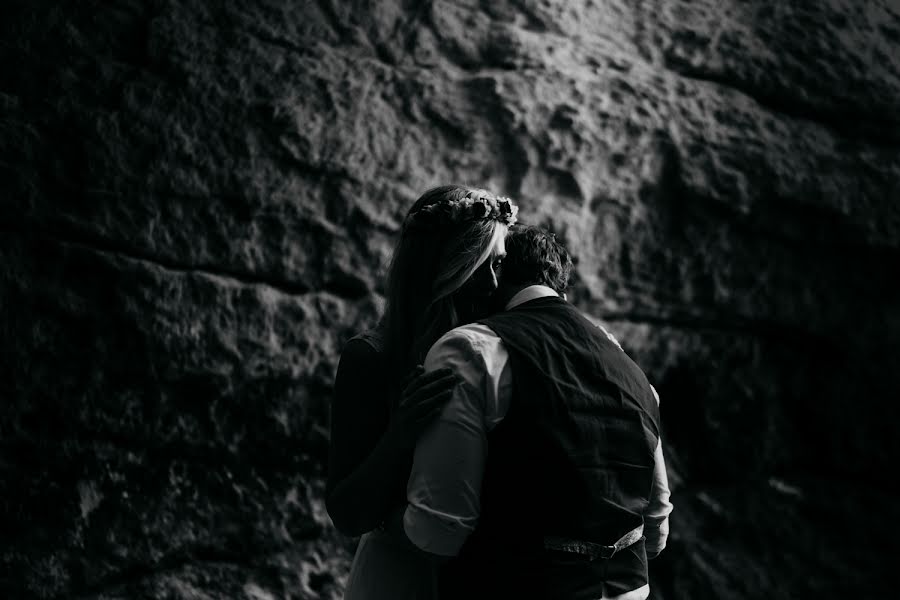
x: 573, y: 458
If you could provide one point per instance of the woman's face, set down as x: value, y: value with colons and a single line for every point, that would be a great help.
x: 474, y: 297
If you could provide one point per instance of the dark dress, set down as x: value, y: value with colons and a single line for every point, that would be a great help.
x: 384, y: 566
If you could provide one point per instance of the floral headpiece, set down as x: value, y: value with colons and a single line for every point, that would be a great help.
x: 477, y: 205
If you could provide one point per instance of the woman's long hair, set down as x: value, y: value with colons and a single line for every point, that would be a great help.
x: 428, y: 266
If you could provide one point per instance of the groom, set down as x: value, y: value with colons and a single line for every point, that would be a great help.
x: 544, y: 476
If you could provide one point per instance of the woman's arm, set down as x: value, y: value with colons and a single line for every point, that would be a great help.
x: 362, y: 471
x: 369, y: 454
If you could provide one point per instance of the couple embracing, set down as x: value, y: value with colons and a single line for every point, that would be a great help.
x: 488, y: 440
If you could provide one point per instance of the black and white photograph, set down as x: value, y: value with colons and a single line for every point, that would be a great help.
x: 449, y: 299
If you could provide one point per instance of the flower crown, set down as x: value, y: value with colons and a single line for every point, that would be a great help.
x: 477, y: 205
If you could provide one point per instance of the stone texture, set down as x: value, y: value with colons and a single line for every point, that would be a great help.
x: 199, y: 200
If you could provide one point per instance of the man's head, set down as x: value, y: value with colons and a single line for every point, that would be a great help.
x: 533, y: 256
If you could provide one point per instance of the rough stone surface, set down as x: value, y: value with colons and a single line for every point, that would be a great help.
x: 198, y: 201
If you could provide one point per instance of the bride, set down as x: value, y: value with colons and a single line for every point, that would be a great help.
x: 443, y: 273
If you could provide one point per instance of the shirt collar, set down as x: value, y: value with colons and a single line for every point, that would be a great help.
x: 530, y: 293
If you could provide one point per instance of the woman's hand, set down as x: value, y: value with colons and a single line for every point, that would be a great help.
x: 423, y: 396
x: 370, y: 449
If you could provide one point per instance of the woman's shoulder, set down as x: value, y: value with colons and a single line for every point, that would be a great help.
x: 374, y: 338
x: 368, y: 342
x: 363, y: 356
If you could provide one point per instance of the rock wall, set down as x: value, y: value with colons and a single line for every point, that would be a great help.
x: 198, y: 201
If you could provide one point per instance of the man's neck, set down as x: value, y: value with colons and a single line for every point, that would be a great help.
x: 529, y: 292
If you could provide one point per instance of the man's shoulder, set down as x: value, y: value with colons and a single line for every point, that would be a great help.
x: 599, y: 324
x: 469, y: 334
x: 470, y: 339
x: 540, y: 305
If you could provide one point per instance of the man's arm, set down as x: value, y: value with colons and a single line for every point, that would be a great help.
x: 445, y: 483
x: 656, y: 517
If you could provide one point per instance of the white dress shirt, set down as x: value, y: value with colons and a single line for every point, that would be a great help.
x: 445, y: 482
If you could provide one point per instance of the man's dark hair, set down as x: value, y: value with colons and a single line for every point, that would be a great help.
x: 534, y: 256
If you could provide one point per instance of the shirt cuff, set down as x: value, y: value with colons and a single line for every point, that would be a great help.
x: 435, y: 533
x: 656, y: 534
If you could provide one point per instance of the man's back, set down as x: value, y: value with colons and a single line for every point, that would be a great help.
x: 544, y: 475
x: 572, y: 461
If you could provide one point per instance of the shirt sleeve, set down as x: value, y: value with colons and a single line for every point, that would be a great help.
x: 448, y: 465
x: 656, y: 517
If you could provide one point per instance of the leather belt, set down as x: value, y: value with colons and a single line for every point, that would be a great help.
x: 592, y: 550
